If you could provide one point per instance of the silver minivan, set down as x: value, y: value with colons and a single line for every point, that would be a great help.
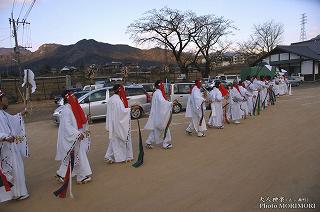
x: 138, y: 99
x: 179, y: 95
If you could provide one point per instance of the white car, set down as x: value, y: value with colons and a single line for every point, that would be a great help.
x: 229, y: 78
x: 92, y: 87
x: 138, y: 99
x: 298, y: 76
x: 179, y: 95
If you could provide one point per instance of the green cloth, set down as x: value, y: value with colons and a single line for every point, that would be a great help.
x: 257, y: 70
x: 139, y: 162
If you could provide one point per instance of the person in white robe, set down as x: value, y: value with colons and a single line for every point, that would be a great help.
x: 216, y: 101
x: 235, y: 100
x: 195, y: 111
x: 275, y: 86
x: 262, y: 84
x: 72, y: 137
x: 247, y: 84
x: 118, y: 123
x: 261, y: 89
x: 246, y: 96
x: 267, y: 87
x: 283, y: 87
x: 13, y: 148
x: 158, y: 121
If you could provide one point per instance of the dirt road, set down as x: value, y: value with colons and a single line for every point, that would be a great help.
x: 272, y: 155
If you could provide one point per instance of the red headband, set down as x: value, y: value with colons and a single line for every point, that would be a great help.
x: 77, y: 110
x: 161, y: 87
x: 198, y: 83
x: 223, y: 90
x: 122, y: 95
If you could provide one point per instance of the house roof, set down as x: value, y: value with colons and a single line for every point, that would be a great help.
x: 309, y: 49
x: 299, y: 50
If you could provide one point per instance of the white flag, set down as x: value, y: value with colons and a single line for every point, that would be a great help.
x: 30, y: 74
x: 269, y: 67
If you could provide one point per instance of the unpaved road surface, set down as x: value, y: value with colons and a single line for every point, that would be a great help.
x: 276, y: 154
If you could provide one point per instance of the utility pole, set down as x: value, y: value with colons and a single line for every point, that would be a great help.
x: 16, y: 49
x: 303, y: 34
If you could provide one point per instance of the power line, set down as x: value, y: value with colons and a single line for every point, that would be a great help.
x: 21, y: 9
x: 29, y: 10
x: 14, y: 1
x: 4, y: 39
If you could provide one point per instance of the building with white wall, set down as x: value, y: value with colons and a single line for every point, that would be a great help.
x: 302, y: 57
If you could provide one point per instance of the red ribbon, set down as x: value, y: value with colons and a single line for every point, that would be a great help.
x: 5, y: 181
x: 77, y: 111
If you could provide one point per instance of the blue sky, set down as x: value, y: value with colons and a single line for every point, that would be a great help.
x: 68, y: 21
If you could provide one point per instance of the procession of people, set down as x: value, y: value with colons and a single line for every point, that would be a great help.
x: 228, y: 104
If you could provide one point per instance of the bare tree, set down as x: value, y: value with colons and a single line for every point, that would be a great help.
x: 267, y: 35
x: 168, y: 27
x: 248, y: 50
x: 211, y: 31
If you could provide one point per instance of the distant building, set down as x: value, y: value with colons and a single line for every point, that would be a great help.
x: 302, y: 57
x: 237, y: 58
x: 68, y: 69
x: 113, y: 65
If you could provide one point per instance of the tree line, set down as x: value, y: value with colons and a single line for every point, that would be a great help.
x: 200, y: 41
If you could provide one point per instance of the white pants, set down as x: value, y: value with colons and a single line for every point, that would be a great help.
x: 82, y: 167
x: 235, y: 111
x: 216, y: 118
x: 156, y: 137
x: 119, y: 150
x: 250, y: 104
x: 17, y: 179
x: 194, y: 125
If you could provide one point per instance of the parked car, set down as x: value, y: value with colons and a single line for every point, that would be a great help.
x: 149, y: 87
x: 230, y: 78
x: 209, y: 86
x: 92, y: 87
x: 77, y: 95
x: 298, y: 76
x: 73, y: 90
x: 293, y: 81
x: 179, y: 95
x: 138, y: 99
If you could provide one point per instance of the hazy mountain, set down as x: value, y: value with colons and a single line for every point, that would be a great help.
x: 86, y: 52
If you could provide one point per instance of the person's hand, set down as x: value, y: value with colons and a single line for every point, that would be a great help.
x: 10, y: 139
x: 81, y: 137
x: 24, y: 112
x: 87, y: 133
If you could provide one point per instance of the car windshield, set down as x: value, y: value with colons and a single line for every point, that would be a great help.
x: 134, y: 91
x: 79, y: 94
x: 232, y: 77
x: 148, y: 87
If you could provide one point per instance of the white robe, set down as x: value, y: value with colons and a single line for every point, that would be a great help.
x: 235, y: 100
x: 194, y: 111
x: 264, y: 93
x: 259, y: 85
x: 244, y: 106
x: 160, y: 113
x: 283, y: 87
x: 118, y: 123
x: 11, y: 155
x: 275, y: 86
x: 216, y: 118
x: 250, y: 98
x: 68, y: 138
